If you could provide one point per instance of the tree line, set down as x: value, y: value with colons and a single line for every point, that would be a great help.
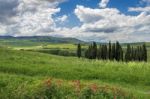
x: 113, y: 51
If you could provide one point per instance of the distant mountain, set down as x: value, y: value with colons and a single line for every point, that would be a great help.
x: 35, y: 40
x: 49, y: 39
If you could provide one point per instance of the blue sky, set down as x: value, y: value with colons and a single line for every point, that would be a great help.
x: 95, y: 20
x: 69, y: 6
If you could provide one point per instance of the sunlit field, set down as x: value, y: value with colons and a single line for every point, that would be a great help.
x: 27, y: 74
x: 74, y: 49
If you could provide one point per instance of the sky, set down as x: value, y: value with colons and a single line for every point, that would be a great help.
x: 88, y: 20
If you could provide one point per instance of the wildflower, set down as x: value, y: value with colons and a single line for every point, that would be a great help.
x: 48, y: 82
x: 94, y: 88
x: 59, y: 82
x: 77, y: 85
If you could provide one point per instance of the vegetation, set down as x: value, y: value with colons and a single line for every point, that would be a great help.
x: 23, y: 75
x: 29, y: 71
x: 35, y: 41
x: 115, y: 52
x: 79, y: 51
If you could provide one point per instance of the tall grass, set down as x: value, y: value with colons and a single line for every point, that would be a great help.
x: 37, y: 65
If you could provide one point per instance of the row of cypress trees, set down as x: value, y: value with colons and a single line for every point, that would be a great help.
x: 138, y: 53
x: 114, y: 51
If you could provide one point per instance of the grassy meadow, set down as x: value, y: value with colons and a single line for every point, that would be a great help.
x: 26, y: 73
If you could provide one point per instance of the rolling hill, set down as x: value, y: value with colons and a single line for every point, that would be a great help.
x: 35, y: 40
x: 23, y: 75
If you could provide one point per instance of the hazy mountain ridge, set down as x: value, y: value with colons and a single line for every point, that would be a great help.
x: 49, y: 39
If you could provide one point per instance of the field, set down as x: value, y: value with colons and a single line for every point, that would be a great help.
x: 25, y: 73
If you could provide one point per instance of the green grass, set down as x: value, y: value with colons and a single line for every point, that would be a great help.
x: 31, y: 68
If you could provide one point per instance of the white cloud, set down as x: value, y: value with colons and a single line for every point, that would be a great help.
x: 140, y: 9
x: 103, y: 3
x: 33, y: 17
x: 62, y: 18
x: 113, y: 24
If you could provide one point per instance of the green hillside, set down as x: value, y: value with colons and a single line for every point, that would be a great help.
x: 23, y: 73
x: 34, y: 40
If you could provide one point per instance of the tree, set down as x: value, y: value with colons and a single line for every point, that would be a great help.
x: 113, y: 51
x: 105, y: 52
x: 79, y: 50
x: 110, y: 51
x: 132, y: 53
x: 128, y: 53
x: 118, y: 52
x: 144, y: 53
x: 99, y: 52
x: 94, y: 50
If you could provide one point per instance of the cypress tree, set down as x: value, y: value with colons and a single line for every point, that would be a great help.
x: 102, y: 52
x: 113, y: 51
x: 144, y: 53
x: 135, y: 54
x: 128, y: 53
x: 117, y: 54
x: 90, y: 52
x: 141, y: 53
x: 79, y: 50
x: 105, y: 52
x: 99, y: 52
x: 94, y: 50
x: 110, y: 51
x: 132, y: 53
x: 120, y: 53
x: 138, y: 54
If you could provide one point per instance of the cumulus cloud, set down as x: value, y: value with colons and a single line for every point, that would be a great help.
x: 113, y: 23
x: 7, y: 10
x: 103, y: 3
x: 62, y: 18
x: 28, y: 17
x: 35, y: 17
x: 140, y: 9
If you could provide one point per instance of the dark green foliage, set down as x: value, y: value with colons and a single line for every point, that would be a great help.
x: 56, y: 52
x: 136, y: 54
x: 110, y: 51
x: 144, y: 53
x: 99, y: 52
x: 119, y: 52
x: 79, y: 51
x: 94, y: 50
x: 115, y: 52
x: 105, y: 52
x: 128, y: 53
x: 91, y: 52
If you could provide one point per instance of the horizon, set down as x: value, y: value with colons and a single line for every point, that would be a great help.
x: 130, y: 42
x: 86, y: 20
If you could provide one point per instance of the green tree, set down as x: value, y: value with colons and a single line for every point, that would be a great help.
x: 128, y: 53
x: 99, y: 52
x: 117, y: 54
x: 113, y: 51
x: 120, y: 53
x: 79, y: 50
x: 110, y: 51
x: 144, y: 52
x: 94, y: 50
